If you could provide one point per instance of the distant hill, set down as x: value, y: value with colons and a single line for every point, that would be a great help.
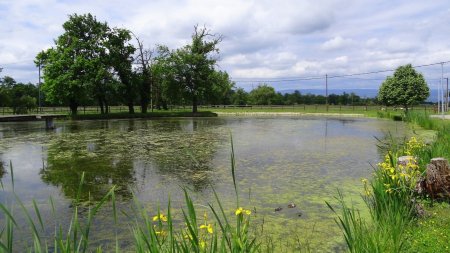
x: 364, y: 93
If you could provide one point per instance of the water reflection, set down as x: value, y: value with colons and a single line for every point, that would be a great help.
x: 2, y: 169
x: 110, y: 155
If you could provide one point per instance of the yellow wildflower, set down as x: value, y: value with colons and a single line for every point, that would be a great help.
x: 160, y: 217
x: 162, y: 233
x: 243, y: 211
x: 202, y: 244
x: 208, y: 227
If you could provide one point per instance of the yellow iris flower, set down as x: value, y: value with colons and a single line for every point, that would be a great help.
x: 208, y: 227
x: 243, y: 211
x: 160, y: 217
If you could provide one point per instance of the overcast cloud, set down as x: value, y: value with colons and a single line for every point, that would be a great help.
x: 263, y: 39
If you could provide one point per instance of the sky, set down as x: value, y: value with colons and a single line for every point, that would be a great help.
x: 276, y: 42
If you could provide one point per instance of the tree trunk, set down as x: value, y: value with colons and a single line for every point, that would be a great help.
x: 100, y: 103
x: 144, y: 107
x: 194, y: 103
x: 106, y: 107
x: 73, y: 107
x: 130, y: 108
x: 145, y: 95
x: 437, y: 180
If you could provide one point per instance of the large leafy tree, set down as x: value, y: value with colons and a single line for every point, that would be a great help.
x: 263, y: 95
x: 75, y: 65
x: 193, y: 65
x: 406, y: 87
x: 88, y: 62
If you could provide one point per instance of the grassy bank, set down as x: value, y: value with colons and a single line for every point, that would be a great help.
x: 397, y: 222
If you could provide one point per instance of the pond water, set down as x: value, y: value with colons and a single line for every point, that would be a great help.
x: 279, y: 161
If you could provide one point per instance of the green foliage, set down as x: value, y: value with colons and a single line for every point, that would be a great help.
x: 221, y: 86
x: 84, y: 62
x: 431, y: 233
x: 262, y: 95
x: 239, y: 97
x: 120, y: 59
x: 192, y: 67
x: 20, y: 97
x: 407, y: 87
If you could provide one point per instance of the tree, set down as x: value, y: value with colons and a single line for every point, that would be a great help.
x: 144, y: 59
x: 193, y: 65
x: 220, y: 88
x: 20, y: 97
x: 239, y: 97
x: 164, y: 87
x: 262, y: 95
x: 87, y: 63
x: 120, y: 57
x: 71, y: 68
x: 405, y: 88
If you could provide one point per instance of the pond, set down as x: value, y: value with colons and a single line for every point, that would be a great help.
x: 279, y: 160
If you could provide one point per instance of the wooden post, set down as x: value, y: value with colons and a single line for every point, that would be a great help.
x: 49, y: 124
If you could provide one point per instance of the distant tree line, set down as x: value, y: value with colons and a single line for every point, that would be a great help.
x: 264, y: 94
x: 19, y: 96
x: 24, y: 97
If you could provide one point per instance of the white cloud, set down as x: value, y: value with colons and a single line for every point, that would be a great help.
x: 262, y: 38
x: 336, y: 43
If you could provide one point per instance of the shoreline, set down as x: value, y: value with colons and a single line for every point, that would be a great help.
x: 281, y: 114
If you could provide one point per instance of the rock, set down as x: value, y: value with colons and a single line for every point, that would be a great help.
x: 299, y: 214
x: 278, y: 209
x: 404, y: 160
x: 291, y: 205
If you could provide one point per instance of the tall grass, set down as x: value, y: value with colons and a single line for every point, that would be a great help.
x: 75, y: 238
x: 440, y: 147
x: 390, y: 195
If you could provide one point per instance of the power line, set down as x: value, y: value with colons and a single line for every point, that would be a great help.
x: 332, y: 76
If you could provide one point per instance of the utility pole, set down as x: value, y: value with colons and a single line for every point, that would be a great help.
x: 445, y: 96
x: 39, y: 86
x: 326, y: 90
x: 442, y: 87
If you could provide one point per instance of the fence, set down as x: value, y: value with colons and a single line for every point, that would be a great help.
x: 306, y: 108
